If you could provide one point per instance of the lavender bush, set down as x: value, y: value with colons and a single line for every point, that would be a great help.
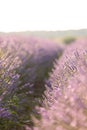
x: 65, y: 103
x: 27, y: 62
x: 9, y: 63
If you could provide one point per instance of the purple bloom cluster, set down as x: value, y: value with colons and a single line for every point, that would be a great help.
x: 4, y: 113
x: 9, y: 62
x: 65, y: 103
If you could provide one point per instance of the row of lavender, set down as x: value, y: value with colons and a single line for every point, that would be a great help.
x: 65, y: 101
x: 24, y: 66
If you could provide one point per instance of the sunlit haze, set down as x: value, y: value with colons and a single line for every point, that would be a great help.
x: 31, y: 15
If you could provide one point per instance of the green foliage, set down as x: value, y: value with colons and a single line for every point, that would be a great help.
x: 69, y: 40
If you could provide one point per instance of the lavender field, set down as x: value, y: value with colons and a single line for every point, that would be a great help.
x: 43, y: 82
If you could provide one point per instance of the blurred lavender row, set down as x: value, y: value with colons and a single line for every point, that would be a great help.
x: 24, y: 66
x: 65, y: 101
x: 9, y: 78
